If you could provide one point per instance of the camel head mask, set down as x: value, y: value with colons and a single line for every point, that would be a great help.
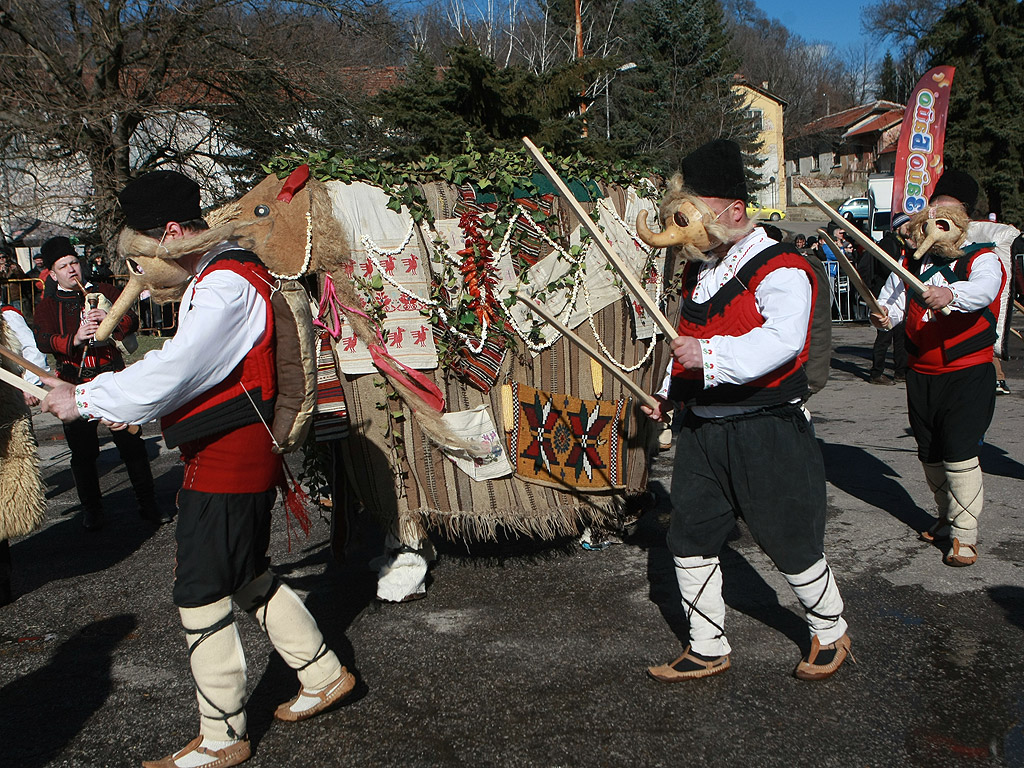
x: 288, y: 223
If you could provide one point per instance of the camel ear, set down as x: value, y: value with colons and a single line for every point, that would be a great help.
x: 296, y: 180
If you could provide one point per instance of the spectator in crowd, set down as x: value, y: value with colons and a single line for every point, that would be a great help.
x: 99, y: 272
x: 875, y: 274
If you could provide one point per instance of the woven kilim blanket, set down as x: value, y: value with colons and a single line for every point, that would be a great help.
x: 564, y: 441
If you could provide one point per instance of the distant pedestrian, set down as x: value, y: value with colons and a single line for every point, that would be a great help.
x: 875, y: 274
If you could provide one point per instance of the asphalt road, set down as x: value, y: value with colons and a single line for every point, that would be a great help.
x: 534, y: 655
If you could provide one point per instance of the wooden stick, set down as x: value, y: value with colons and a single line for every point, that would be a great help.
x: 1016, y: 333
x: 38, y: 391
x: 851, y: 272
x: 19, y: 383
x: 627, y: 382
x: 598, y: 237
x: 1018, y: 305
x: 30, y: 367
x: 870, y: 246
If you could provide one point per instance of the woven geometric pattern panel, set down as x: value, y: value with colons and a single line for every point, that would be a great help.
x: 564, y: 441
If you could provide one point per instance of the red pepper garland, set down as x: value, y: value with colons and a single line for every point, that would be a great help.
x: 478, y: 273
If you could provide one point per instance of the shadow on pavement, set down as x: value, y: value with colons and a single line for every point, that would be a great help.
x: 1011, y: 600
x: 996, y: 461
x: 858, y: 473
x: 42, y: 712
x: 65, y: 549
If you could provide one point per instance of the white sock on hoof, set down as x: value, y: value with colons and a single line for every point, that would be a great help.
x: 295, y: 635
x: 817, y: 592
x: 218, y: 666
x: 966, y: 498
x: 196, y: 759
x: 700, y: 585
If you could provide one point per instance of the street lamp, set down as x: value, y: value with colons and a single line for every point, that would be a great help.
x: 607, y: 104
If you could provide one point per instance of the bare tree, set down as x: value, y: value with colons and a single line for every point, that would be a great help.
x: 92, y: 92
x: 905, y: 23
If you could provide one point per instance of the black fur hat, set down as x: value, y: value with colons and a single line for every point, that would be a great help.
x: 156, y: 198
x: 715, y: 169
x: 957, y: 184
x: 56, y: 248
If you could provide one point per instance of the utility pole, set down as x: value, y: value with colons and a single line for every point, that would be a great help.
x: 579, y: 57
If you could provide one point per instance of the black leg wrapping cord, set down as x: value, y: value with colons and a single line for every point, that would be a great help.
x: 258, y: 609
x: 204, y: 634
x: 692, y: 605
x: 827, y: 575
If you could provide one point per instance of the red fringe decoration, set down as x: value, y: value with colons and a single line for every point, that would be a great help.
x: 296, y: 504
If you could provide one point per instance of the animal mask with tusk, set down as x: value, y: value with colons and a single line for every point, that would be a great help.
x: 939, y: 229
x: 688, y: 224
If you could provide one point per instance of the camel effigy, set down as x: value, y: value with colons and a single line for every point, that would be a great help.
x: 463, y: 413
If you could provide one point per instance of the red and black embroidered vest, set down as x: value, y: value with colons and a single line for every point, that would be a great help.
x: 956, y: 341
x: 249, y: 391
x: 732, y: 311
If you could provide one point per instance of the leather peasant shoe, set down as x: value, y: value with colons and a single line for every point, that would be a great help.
x: 823, y: 660
x: 330, y: 695
x: 960, y: 555
x: 233, y: 754
x: 939, y: 531
x: 689, y: 666
x: 881, y: 380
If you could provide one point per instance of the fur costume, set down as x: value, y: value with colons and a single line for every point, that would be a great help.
x: 22, y: 504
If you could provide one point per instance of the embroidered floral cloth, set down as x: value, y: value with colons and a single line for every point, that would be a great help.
x: 563, y: 441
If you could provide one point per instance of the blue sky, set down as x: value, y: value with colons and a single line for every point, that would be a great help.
x: 831, y: 21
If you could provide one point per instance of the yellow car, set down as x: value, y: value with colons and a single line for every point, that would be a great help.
x: 756, y: 211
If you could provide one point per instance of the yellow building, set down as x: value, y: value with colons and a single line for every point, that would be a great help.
x: 766, y: 109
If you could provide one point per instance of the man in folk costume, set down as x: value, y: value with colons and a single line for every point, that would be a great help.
x: 739, y: 369
x: 951, y: 384
x: 64, y: 325
x: 213, y: 385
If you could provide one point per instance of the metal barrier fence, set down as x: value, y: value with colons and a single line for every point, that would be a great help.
x: 154, y: 319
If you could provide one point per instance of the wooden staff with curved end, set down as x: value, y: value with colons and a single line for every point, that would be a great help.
x: 627, y: 275
x: 627, y: 382
x: 865, y: 242
x: 851, y: 272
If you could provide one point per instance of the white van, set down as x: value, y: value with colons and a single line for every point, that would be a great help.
x: 880, y: 204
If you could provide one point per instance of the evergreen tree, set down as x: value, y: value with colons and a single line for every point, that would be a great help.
x: 984, y: 40
x: 888, y: 79
x: 434, y: 109
x: 680, y: 95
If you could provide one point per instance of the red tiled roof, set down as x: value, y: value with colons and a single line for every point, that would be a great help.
x: 847, y: 117
x: 876, y: 123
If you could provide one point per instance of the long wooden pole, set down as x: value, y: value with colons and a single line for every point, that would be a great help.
x: 870, y: 245
x: 32, y: 389
x: 855, y: 279
x: 627, y: 382
x: 30, y: 367
x: 627, y: 275
x: 17, y: 382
